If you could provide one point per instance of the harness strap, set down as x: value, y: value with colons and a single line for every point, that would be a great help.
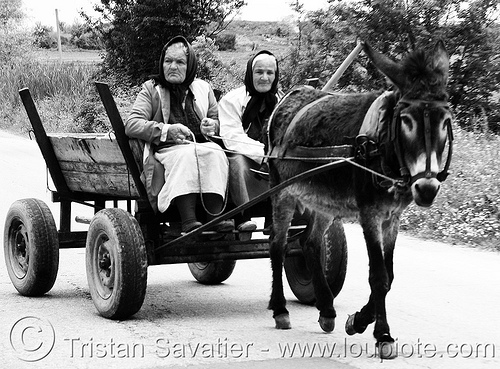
x: 441, y: 176
x: 315, y: 154
x: 395, y: 131
x: 428, y: 148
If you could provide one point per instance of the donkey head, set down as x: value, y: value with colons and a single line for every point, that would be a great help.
x: 422, y: 120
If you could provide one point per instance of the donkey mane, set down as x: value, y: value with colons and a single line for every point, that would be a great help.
x: 423, y: 79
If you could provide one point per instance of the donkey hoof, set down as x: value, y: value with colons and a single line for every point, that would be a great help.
x: 282, y: 321
x: 349, y: 325
x: 326, y: 324
x: 387, y: 350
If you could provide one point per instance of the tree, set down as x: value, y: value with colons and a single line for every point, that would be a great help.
x: 134, y: 31
x: 10, y: 11
x: 14, y: 42
x: 396, y: 27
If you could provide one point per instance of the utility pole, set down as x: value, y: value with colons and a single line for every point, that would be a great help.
x: 58, y: 37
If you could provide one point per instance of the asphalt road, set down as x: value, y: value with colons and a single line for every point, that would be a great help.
x: 443, y: 308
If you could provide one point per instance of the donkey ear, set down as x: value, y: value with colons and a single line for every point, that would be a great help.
x: 387, y: 66
x: 441, y: 60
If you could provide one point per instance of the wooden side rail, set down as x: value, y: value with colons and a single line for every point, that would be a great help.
x: 44, y: 143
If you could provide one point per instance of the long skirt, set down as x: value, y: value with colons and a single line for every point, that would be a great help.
x: 244, y: 185
x: 192, y: 168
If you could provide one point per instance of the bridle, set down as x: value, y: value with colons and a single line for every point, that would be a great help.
x: 394, y: 138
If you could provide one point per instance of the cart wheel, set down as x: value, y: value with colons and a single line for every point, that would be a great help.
x: 31, y: 247
x: 334, y: 263
x: 212, y: 272
x: 116, y: 263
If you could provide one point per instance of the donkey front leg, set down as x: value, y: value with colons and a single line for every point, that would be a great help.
x: 379, y: 279
x: 283, y: 208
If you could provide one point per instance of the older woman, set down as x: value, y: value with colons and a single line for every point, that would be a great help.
x: 243, y: 114
x: 174, y: 114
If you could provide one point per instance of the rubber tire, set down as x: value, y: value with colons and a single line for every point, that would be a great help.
x: 31, y: 247
x: 117, y: 284
x: 334, y: 260
x: 213, y: 272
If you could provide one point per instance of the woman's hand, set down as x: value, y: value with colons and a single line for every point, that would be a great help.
x: 208, y: 127
x: 178, y: 133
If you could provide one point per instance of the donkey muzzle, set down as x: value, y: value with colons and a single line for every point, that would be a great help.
x: 425, y: 190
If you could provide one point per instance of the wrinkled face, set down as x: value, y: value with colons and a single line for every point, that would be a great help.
x: 264, y: 73
x: 420, y: 147
x: 175, y: 63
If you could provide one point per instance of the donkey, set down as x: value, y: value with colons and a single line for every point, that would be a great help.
x: 400, y: 136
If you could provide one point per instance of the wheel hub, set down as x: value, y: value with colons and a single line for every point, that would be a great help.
x: 20, y: 249
x: 105, y: 266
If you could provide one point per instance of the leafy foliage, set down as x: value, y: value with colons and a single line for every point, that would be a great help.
x: 14, y: 43
x: 43, y: 36
x: 226, y: 41
x: 211, y: 68
x: 469, y: 29
x: 10, y: 12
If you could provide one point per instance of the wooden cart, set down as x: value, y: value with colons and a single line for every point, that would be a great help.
x: 125, y: 235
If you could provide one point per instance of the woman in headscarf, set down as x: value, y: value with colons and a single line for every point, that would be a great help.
x: 173, y: 111
x: 243, y: 114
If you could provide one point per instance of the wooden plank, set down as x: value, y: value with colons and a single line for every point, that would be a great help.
x: 87, y: 149
x: 93, y: 163
x: 92, y: 167
x: 113, y: 184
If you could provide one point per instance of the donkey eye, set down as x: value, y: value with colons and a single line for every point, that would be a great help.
x: 407, y: 121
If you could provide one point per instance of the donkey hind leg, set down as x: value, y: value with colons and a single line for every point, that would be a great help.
x: 283, y: 209
x: 313, y: 254
x: 380, y: 278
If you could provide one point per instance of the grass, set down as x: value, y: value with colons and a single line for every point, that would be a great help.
x: 466, y: 211
x: 58, y: 90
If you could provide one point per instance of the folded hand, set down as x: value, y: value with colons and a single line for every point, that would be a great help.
x: 178, y: 133
x: 208, y: 126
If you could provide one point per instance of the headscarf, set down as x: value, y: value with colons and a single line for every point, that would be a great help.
x: 192, y: 67
x: 267, y: 100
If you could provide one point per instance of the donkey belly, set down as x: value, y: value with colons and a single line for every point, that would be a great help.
x: 332, y: 201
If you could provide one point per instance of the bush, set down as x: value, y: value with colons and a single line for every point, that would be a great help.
x: 211, y: 68
x: 226, y: 41
x: 86, y: 41
x: 42, y: 37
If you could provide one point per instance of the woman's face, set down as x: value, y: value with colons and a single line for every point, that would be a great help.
x: 175, y: 64
x: 264, y: 73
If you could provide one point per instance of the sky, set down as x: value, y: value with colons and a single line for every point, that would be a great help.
x: 43, y: 11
